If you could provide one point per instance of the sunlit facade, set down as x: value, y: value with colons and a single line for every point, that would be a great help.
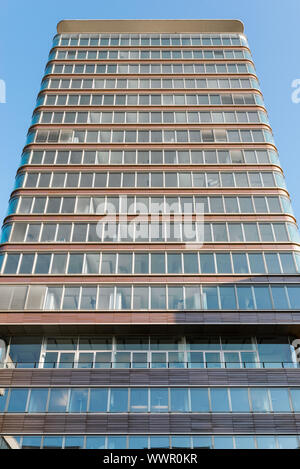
x: 150, y: 257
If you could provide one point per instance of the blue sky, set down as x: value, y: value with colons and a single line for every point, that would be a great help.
x: 27, y: 28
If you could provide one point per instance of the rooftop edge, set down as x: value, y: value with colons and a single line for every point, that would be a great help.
x: 150, y: 26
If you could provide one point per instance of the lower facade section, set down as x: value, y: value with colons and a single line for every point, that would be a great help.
x: 144, y: 388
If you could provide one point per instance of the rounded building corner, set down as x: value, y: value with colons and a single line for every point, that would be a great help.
x: 240, y: 25
x: 59, y: 26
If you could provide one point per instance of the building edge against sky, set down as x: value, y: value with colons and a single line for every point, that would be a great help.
x: 146, y: 336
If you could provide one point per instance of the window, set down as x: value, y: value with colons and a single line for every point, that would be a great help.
x: 38, y: 400
x: 141, y: 263
x: 42, y: 264
x: 199, y: 400
x: 71, y: 298
x: 58, y: 400
x: 219, y: 400
x: 98, y: 400
x: 26, y: 264
x: 157, y: 263
x: 239, y: 400
x: 207, y: 263
x: 91, y: 264
x: 118, y: 400
x: 138, y: 400
x: 175, y: 297
x: 179, y: 400
x: 78, y: 400
x: 48, y: 233
x: 17, y: 400
x: 280, y: 400
x: 260, y: 400
x: 223, y: 263
x: 125, y: 263
x: 141, y: 298
x: 12, y: 261
x: 190, y: 261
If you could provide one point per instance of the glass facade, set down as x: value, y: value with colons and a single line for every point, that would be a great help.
x: 151, y: 243
x: 149, y: 352
x: 156, y: 442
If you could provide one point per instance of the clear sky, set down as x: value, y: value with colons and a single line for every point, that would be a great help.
x: 27, y: 28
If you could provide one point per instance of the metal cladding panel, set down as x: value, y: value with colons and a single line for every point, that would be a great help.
x: 150, y: 377
x: 150, y: 424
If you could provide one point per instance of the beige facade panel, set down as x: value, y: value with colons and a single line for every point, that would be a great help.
x: 150, y: 26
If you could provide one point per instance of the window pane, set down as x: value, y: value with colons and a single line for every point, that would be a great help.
x: 223, y: 442
x: 228, y: 299
x: 98, y: 400
x: 219, y: 400
x: 262, y: 297
x: 159, y: 442
x: 179, y: 400
x: 158, y: 298
x: 138, y: 442
x: 71, y: 298
x: 245, y: 298
x: 280, y: 400
x: 207, y: 263
x: 31, y: 442
x: 125, y: 263
x: 223, y: 263
x: 74, y: 442
x: 294, y: 296
x: 202, y: 442
x: 288, y: 442
x: 266, y: 442
x: 78, y: 400
x: 239, y: 400
x: 12, y: 261
x: 88, y: 298
x: 260, y: 400
x: 38, y: 400
x: 25, y: 351
x: 210, y: 298
x: 240, y: 263
x: 244, y: 442
x: 175, y: 297
x: 52, y: 442
x: 48, y: 233
x: 91, y: 264
x: 272, y: 262
x: 108, y: 265
x: 95, y: 442
x: 59, y: 264
x: 140, y: 298
x: 58, y: 400
x: 190, y: 262
x: 17, y: 400
x: 123, y: 298
x: 279, y: 297
x: 116, y: 442
x: 181, y: 441
x: 138, y: 400
x: 174, y: 263
x: 3, y: 398
x: 158, y: 400
x: 75, y: 264
x: 118, y: 400
x: 251, y: 232
x: 199, y: 400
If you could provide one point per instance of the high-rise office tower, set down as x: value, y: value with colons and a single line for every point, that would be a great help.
x: 150, y: 261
